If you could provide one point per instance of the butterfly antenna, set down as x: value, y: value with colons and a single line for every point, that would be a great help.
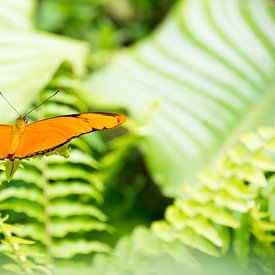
x: 41, y: 103
x: 10, y: 104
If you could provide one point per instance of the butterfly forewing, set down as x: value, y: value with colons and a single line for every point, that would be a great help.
x: 48, y: 134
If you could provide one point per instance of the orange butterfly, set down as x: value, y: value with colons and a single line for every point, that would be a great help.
x: 23, y: 140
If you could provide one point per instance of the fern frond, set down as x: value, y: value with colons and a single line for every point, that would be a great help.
x: 57, y: 200
x: 232, y: 205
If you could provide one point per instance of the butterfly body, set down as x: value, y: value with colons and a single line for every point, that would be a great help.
x: 22, y: 139
x: 18, y: 130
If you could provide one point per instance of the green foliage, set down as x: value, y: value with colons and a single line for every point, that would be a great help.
x: 106, y: 25
x: 197, y: 83
x: 231, y: 206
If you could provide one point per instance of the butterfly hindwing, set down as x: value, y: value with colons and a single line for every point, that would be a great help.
x: 48, y: 134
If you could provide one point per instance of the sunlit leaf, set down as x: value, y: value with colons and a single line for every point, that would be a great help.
x: 209, y: 69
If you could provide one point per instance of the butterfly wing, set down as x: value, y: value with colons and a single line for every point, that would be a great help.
x: 48, y: 134
x: 5, y: 139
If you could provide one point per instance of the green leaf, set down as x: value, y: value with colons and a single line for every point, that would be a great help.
x: 204, y: 76
x: 35, y: 56
x: 29, y: 58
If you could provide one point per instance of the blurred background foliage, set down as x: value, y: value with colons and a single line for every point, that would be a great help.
x: 192, y: 76
x: 107, y: 25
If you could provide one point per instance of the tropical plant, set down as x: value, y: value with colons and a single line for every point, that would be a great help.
x: 190, y: 88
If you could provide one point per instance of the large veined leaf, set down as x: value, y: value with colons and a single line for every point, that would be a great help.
x: 29, y: 59
x: 205, y: 75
